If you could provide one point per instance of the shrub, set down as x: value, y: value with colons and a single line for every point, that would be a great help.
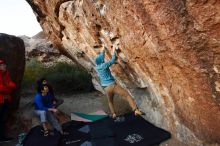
x: 65, y: 78
x: 33, y: 70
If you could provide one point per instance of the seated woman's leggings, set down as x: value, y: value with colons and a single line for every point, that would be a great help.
x: 47, y: 115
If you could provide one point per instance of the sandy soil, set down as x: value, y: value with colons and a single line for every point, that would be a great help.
x: 85, y: 103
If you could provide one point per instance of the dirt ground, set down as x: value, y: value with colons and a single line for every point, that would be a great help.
x: 85, y: 103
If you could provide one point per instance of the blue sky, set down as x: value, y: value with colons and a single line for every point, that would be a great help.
x: 17, y: 18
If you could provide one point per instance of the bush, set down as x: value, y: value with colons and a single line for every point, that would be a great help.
x: 33, y: 70
x: 65, y: 78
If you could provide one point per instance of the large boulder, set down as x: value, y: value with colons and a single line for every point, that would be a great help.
x: 169, y: 60
x: 12, y: 50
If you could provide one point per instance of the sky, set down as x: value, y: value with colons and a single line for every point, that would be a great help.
x: 17, y: 18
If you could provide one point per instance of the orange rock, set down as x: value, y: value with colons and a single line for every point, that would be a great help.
x: 169, y: 51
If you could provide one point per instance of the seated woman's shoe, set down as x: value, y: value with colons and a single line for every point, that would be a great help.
x: 46, y: 132
x: 137, y: 112
x: 65, y: 133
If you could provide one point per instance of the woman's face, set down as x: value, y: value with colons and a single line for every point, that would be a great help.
x: 46, y: 89
x: 3, y: 67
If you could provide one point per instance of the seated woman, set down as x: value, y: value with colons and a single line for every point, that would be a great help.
x: 43, y: 81
x: 45, y: 109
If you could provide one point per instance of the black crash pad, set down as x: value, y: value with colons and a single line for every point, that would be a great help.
x: 131, y: 131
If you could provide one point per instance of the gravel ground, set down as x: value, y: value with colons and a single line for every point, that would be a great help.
x: 86, y: 103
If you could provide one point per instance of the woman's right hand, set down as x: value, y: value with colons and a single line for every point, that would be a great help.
x: 54, y: 110
x: 113, y: 50
x: 103, y: 48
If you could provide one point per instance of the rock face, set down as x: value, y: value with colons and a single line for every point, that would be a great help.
x: 38, y: 47
x: 169, y: 60
x: 12, y: 51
